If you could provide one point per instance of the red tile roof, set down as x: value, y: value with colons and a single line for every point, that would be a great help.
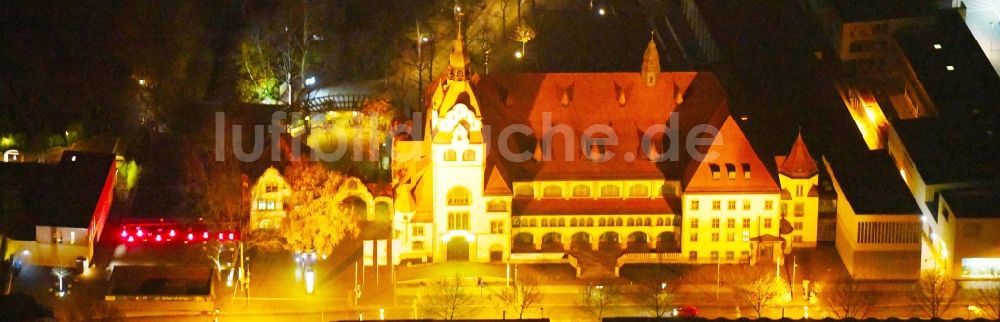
x: 591, y: 100
x: 528, y: 206
x: 798, y: 164
x: 732, y: 152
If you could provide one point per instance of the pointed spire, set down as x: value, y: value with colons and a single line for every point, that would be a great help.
x: 456, y: 67
x: 798, y: 164
x: 650, y: 61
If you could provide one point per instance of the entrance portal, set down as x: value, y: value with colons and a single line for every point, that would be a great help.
x: 458, y: 249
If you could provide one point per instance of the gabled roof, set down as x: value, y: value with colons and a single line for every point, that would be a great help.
x: 729, y: 151
x: 496, y: 183
x: 798, y: 164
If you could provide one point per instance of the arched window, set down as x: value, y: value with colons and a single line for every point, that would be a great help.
x: 496, y: 205
x: 648, y: 222
x: 552, y: 191
x: 572, y: 222
x: 533, y: 223
x: 638, y: 190
x: 562, y: 222
x: 545, y: 222
x: 659, y: 221
x: 610, y: 191
x: 631, y: 222
x: 618, y: 222
x: 450, y: 155
x: 469, y: 155
x: 590, y: 222
x: 581, y: 191
x: 459, y: 196
x: 515, y: 222
x: 525, y: 191
x: 601, y: 222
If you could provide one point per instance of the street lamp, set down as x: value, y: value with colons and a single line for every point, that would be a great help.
x: 601, y: 11
x: 311, y: 81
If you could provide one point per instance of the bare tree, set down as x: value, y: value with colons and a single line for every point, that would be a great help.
x: 934, y: 292
x: 521, y: 297
x: 447, y: 299
x: 846, y: 299
x: 596, y: 299
x: 989, y: 297
x: 764, y: 292
x: 657, y: 297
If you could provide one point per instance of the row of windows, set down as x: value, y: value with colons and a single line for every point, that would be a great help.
x: 730, y: 223
x: 731, y: 205
x: 266, y: 205
x: 468, y: 155
x: 584, y: 191
x: 458, y: 220
x: 730, y: 236
x: 714, y: 255
x: 590, y: 222
x: 730, y: 170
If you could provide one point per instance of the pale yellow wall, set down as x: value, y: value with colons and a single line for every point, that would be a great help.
x: 810, y: 217
x: 704, y: 214
x: 270, y: 177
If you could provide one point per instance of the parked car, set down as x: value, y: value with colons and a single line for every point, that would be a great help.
x: 685, y: 311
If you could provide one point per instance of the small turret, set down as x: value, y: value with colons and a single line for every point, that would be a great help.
x: 650, y: 63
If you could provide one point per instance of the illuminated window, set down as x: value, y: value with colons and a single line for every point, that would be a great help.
x: 545, y: 222
x: 694, y: 204
x: 730, y: 236
x: 715, y: 170
x: 693, y: 255
x: 767, y: 223
x: 496, y: 205
x: 638, y: 190
x: 731, y: 205
x: 799, y: 209
x: 715, y: 237
x: 496, y: 226
x: 525, y: 191
x: 715, y: 222
x: 716, y: 204
x: 581, y: 191
x: 746, y: 222
x: 458, y: 220
x: 746, y: 171
x: 731, y: 171
x: 271, y: 188
x: 418, y: 230
x: 610, y: 191
x: 768, y: 204
x: 694, y: 223
x: 746, y: 236
x: 552, y: 191
x: 950, y: 68
x: 731, y: 223
x: 469, y: 155
x: 459, y: 196
x: 694, y: 237
x: 937, y: 46
x: 450, y: 155
x: 746, y: 204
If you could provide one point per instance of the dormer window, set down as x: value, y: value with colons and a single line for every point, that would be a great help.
x: 746, y: 171
x: 715, y: 170
x: 731, y: 171
x: 596, y: 149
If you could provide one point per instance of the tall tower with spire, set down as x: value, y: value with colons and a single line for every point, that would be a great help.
x: 799, y: 178
x: 461, y: 224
